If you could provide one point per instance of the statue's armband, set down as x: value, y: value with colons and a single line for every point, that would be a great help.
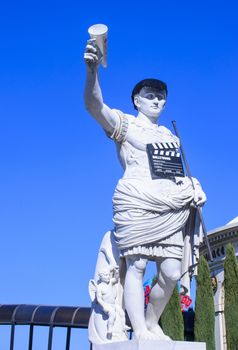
x: 120, y: 131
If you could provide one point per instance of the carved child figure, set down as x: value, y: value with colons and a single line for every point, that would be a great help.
x: 106, y: 297
x: 105, y: 293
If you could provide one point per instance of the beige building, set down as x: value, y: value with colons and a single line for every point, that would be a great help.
x: 218, y: 239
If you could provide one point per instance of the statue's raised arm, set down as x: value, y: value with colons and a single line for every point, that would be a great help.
x: 108, y: 118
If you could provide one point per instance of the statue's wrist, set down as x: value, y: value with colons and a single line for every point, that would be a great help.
x: 92, y: 70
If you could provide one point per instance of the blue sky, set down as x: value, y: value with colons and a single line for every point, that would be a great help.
x: 58, y: 170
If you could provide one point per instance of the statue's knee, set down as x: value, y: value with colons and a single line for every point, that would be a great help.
x: 170, y: 270
x: 173, y: 276
x: 137, y: 264
x: 140, y: 265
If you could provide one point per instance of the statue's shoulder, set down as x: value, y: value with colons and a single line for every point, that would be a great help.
x: 122, y: 125
x: 169, y: 133
x: 129, y: 117
x: 165, y: 130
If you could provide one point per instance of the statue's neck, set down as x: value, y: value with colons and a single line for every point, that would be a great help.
x: 147, y: 119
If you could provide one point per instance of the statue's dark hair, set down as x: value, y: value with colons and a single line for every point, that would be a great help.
x: 153, y: 83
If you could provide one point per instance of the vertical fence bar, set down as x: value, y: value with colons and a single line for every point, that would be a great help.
x: 30, y: 337
x: 50, y: 337
x: 52, y: 327
x: 67, y: 347
x: 12, y: 336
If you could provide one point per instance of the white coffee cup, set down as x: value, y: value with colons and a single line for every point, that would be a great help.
x: 99, y: 32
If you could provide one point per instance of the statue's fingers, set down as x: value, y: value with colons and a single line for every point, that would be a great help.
x: 201, y: 200
x: 195, y: 198
x: 91, y: 48
x: 93, y: 55
x: 88, y: 58
x: 88, y: 55
x: 91, y: 41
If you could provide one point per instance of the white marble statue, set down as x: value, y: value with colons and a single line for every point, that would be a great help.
x: 150, y: 214
x: 104, y: 292
x: 107, y: 320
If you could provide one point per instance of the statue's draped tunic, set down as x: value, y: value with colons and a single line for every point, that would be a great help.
x: 149, y: 214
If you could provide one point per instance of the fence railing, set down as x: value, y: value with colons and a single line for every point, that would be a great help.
x: 40, y: 315
x: 59, y: 316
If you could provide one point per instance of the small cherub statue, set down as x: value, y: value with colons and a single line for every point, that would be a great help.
x: 105, y: 294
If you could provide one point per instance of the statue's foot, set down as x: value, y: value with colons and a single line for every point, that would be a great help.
x: 109, y: 333
x: 145, y: 335
x: 157, y: 331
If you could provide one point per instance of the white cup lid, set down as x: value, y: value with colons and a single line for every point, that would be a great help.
x: 97, y: 29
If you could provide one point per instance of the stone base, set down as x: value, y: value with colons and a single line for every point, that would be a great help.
x: 150, y: 345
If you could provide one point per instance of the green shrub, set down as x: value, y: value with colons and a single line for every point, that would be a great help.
x: 171, y: 319
x: 204, y: 324
x: 231, y: 297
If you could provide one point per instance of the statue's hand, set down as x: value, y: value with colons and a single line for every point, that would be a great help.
x: 199, y: 196
x: 108, y: 309
x: 92, y: 54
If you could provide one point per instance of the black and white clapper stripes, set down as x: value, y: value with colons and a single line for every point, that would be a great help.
x: 165, y: 160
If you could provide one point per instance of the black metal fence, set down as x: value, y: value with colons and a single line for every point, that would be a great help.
x: 39, y: 315
x: 59, y: 316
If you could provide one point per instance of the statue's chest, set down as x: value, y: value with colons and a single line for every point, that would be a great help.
x: 155, y: 147
x: 139, y: 135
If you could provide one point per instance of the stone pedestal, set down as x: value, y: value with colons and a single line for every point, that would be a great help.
x: 150, y: 345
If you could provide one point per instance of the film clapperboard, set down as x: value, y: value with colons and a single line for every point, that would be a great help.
x: 165, y: 160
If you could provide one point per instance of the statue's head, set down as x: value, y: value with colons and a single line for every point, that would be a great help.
x: 149, y: 96
x: 116, y: 272
x: 105, y: 275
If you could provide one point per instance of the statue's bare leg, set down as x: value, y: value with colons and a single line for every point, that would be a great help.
x: 169, y: 272
x: 110, y: 322
x: 134, y: 296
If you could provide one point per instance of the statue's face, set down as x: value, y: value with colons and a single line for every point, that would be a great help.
x: 116, y: 273
x: 105, y: 277
x: 150, y: 102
